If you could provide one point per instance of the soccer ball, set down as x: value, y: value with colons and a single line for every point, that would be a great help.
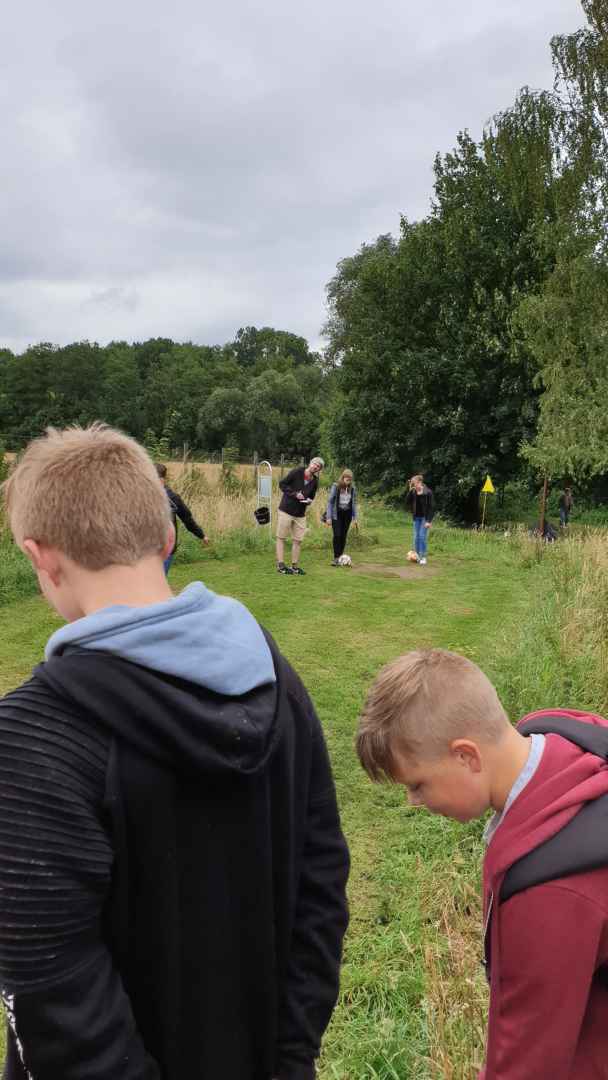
x: 412, y: 556
x: 345, y: 560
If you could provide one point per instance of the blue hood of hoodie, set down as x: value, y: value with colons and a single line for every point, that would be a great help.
x: 210, y: 640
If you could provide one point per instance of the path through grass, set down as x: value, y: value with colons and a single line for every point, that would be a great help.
x: 412, y: 991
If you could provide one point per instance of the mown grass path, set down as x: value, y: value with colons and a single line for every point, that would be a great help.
x: 413, y: 996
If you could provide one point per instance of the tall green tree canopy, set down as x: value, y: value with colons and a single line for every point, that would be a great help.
x: 444, y: 340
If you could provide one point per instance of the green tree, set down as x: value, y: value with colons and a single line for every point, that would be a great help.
x: 224, y: 414
x: 567, y: 331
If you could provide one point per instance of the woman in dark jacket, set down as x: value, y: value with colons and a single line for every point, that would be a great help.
x: 341, y: 510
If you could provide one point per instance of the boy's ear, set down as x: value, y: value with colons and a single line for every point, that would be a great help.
x: 169, y: 543
x: 467, y: 753
x: 43, y: 559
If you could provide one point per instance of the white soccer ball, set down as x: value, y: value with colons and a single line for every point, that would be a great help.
x: 345, y: 560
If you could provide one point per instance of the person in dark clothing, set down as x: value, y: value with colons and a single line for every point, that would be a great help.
x: 341, y: 511
x: 179, y: 510
x: 566, y: 502
x: 172, y: 867
x: 420, y: 502
x: 299, y: 488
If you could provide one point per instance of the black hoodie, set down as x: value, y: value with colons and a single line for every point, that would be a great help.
x: 175, y: 869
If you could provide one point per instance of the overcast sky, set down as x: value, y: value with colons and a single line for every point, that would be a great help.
x: 183, y: 169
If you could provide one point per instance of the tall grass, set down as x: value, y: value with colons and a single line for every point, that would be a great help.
x: 560, y: 657
x: 223, y: 504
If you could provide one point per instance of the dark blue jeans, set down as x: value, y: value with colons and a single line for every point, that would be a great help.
x: 420, y: 537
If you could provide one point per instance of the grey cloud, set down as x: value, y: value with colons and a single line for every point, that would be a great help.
x: 115, y: 298
x: 178, y: 171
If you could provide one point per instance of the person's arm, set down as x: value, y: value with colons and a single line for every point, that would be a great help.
x: 313, y: 977
x: 331, y: 501
x: 549, y: 941
x: 185, y: 515
x: 354, y: 503
x: 409, y: 498
x: 430, y: 508
x: 65, y: 1002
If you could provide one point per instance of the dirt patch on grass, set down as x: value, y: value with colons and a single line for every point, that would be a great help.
x: 409, y: 572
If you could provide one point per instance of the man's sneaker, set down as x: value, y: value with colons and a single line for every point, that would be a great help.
x: 334, y: 562
x: 282, y: 569
x: 297, y: 570
x: 422, y: 562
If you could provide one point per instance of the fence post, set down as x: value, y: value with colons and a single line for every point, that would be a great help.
x: 543, y: 506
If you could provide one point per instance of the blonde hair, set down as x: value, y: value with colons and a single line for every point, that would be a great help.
x: 345, y: 472
x: 93, y: 493
x: 420, y: 703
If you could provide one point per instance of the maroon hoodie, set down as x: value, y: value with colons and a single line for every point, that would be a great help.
x: 548, y: 1011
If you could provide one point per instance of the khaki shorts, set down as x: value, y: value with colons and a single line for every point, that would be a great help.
x: 289, y: 527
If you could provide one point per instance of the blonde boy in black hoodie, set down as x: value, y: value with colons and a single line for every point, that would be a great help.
x: 172, y: 869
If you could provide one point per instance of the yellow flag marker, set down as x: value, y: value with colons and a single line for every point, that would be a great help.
x: 487, y: 489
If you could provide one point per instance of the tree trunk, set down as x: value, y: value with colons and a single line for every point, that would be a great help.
x: 543, y: 505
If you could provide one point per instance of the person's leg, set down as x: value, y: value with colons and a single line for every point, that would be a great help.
x: 298, y: 533
x: 562, y: 517
x: 283, y: 532
x: 418, y: 524
x: 343, y: 524
x: 424, y: 540
x: 335, y: 525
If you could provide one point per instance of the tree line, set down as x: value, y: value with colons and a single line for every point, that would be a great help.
x: 261, y: 392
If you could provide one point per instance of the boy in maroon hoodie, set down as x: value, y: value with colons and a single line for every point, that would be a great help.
x: 434, y: 723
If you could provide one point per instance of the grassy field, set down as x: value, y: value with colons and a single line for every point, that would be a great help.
x: 413, y: 995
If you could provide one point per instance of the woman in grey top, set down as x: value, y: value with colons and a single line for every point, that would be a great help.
x: 341, y: 510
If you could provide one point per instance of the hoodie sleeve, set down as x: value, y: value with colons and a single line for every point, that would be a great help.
x: 321, y: 919
x: 185, y: 515
x: 68, y: 1013
x: 549, y: 948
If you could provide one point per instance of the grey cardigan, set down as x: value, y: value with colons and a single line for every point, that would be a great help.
x: 333, y: 503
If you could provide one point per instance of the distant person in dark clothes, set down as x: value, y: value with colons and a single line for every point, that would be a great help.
x: 420, y: 501
x: 179, y: 510
x: 299, y: 488
x: 566, y: 502
x: 172, y: 867
x: 341, y: 511
x: 549, y: 535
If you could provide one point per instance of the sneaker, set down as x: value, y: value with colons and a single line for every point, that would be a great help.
x: 282, y: 569
x: 297, y: 570
x: 422, y: 562
x: 335, y: 562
